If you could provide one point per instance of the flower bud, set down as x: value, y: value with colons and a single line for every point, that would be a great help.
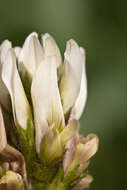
x: 84, y: 151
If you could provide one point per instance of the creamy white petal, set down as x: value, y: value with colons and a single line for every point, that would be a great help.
x: 4, y: 95
x: 31, y: 54
x: 72, y: 74
x: 5, y: 46
x: 17, y: 51
x: 51, y: 48
x: 46, y: 98
x: 10, y: 76
x: 82, y: 96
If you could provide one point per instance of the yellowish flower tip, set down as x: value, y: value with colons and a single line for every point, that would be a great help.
x: 45, y: 36
x: 71, y: 44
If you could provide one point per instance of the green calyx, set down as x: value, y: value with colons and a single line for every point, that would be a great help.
x: 27, y: 143
x: 52, y: 179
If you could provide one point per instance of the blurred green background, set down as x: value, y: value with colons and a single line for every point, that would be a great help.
x: 101, y: 27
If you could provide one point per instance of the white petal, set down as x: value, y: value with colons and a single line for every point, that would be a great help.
x: 4, y: 95
x: 51, y: 48
x: 72, y: 73
x: 31, y: 54
x: 82, y: 96
x: 46, y: 98
x: 11, y: 79
x: 5, y: 46
x: 17, y: 51
x: 3, y: 140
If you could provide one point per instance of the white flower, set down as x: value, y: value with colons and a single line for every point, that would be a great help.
x: 57, y: 91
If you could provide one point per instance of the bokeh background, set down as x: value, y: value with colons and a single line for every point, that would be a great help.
x: 101, y: 27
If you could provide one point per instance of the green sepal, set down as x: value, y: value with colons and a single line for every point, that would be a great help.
x: 43, y: 177
x: 27, y: 143
x: 66, y: 183
x: 42, y: 173
x: 63, y: 183
x: 37, y: 185
x: 57, y: 180
x: 67, y: 115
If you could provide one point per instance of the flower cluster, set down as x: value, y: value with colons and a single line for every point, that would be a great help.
x: 42, y: 100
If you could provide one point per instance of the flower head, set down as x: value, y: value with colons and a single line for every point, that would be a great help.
x: 46, y: 98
